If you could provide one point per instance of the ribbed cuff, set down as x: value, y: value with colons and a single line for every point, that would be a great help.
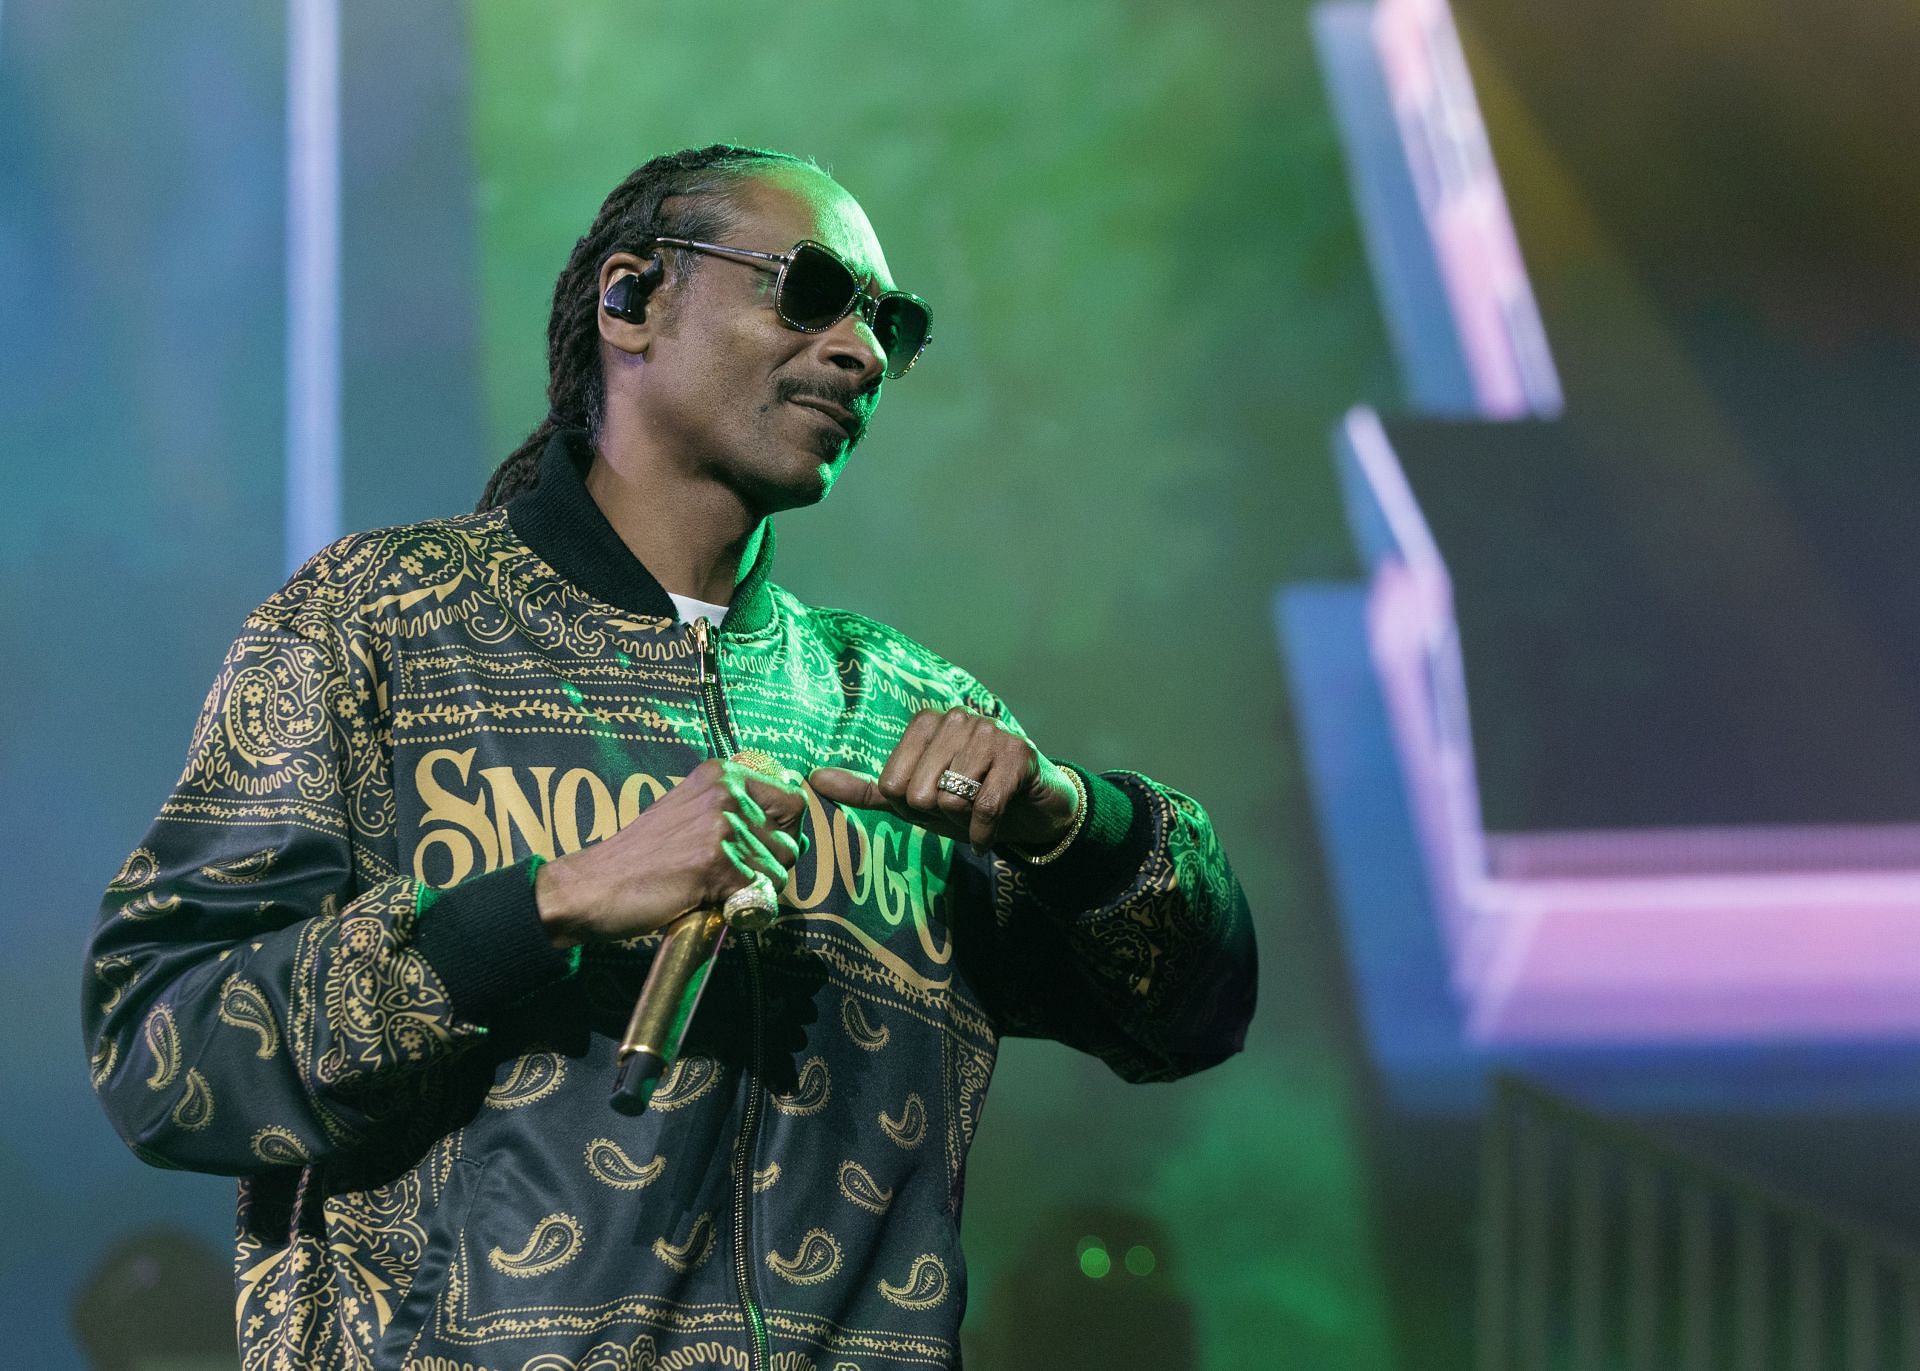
x: 485, y: 941
x: 1105, y: 856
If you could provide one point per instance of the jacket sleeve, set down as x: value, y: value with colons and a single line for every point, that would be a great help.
x: 1135, y: 944
x: 263, y: 987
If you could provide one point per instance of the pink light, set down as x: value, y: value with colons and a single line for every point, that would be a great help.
x: 1668, y: 936
x: 1465, y: 208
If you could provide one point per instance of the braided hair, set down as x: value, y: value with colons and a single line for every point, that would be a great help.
x: 678, y: 195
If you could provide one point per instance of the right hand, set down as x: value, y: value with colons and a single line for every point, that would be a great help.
x: 690, y: 849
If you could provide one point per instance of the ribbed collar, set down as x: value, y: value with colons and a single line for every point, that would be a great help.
x: 559, y: 520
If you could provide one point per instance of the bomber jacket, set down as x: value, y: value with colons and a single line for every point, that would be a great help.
x: 322, y: 970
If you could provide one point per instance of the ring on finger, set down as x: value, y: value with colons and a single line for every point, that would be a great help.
x: 955, y: 784
x: 753, y: 905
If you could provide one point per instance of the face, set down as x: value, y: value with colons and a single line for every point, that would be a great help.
x: 730, y: 392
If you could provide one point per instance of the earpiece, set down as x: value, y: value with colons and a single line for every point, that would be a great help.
x: 626, y: 298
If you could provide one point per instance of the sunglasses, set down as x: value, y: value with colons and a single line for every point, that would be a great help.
x: 816, y: 290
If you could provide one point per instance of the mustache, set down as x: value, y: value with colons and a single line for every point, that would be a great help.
x: 848, y: 398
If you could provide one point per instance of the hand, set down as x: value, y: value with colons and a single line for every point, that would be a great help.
x: 1024, y: 800
x: 698, y: 843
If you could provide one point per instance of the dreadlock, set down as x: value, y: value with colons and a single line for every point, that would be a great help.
x: 679, y: 195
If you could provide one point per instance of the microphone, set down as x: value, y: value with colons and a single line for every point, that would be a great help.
x: 671, y: 992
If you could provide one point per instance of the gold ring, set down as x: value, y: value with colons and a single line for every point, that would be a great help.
x: 753, y: 906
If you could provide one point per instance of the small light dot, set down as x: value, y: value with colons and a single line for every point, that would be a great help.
x: 1095, y: 1262
x: 1140, y: 1260
x: 1080, y: 1248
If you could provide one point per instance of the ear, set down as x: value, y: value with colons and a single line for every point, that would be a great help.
x: 627, y: 282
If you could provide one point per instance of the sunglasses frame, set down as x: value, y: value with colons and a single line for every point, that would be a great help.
x: 868, y: 305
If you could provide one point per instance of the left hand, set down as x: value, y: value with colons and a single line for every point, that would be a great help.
x: 1024, y: 799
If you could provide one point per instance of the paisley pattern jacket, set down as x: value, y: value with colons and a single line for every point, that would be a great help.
x: 322, y: 971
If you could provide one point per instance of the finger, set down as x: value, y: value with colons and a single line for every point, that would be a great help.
x: 854, y: 791
x: 783, y: 804
x: 975, y: 756
x: 785, y: 846
x: 847, y: 788
x: 711, y: 772
x: 951, y: 738
x: 751, y: 857
x: 749, y: 866
x: 739, y: 785
x: 792, y: 827
x: 899, y: 771
x: 1006, y: 777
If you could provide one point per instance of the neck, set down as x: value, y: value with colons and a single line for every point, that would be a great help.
x: 695, y: 536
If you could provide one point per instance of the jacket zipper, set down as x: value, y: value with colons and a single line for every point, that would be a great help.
x: 721, y: 742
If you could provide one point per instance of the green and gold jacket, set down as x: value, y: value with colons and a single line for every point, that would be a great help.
x: 322, y: 971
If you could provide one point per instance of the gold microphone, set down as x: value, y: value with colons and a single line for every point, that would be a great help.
x: 671, y: 992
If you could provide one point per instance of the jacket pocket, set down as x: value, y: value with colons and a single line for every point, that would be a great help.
x: 444, y: 1224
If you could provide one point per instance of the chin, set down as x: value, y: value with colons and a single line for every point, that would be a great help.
x: 796, y: 489
x: 824, y: 476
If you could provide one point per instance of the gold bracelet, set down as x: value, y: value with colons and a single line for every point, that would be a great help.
x: 1073, y: 829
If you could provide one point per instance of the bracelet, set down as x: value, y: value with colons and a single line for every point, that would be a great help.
x: 1073, y: 830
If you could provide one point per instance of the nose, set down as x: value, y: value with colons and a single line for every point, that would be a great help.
x: 852, y: 348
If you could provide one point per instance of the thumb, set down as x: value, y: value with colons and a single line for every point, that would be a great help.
x: 847, y: 788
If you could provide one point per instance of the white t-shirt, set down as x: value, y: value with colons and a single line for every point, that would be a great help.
x: 690, y: 609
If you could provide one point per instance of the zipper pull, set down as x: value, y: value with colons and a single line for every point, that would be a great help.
x: 701, y: 646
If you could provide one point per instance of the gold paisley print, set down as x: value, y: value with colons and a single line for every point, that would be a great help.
x: 972, y: 1072
x: 244, y: 1005
x: 604, y: 1356
x: 149, y: 906
x: 555, y: 1242
x: 858, y: 1185
x: 925, y: 1286
x: 763, y: 1179
x: 242, y: 870
x: 534, y: 1077
x: 103, y: 1062
x: 137, y: 872
x: 195, y: 1108
x: 817, y: 1258
x: 810, y: 1093
x: 267, y: 722
x: 279, y: 1146
x: 608, y: 1163
x: 863, y: 1034
x: 689, y: 1254
x: 381, y: 997
x: 163, y: 1041
x: 640, y: 1355
x: 117, y: 974
x: 686, y: 1081
x: 910, y: 1130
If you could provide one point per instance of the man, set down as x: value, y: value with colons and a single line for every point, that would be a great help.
x: 376, y: 954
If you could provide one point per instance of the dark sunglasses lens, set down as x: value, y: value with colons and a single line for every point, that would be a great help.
x: 901, y: 324
x: 817, y: 289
